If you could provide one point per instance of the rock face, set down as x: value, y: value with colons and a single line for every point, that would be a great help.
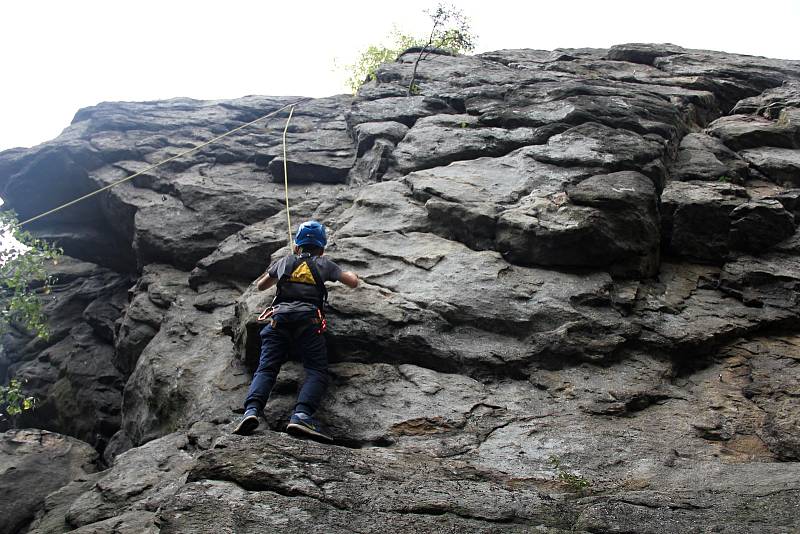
x: 72, y: 373
x: 579, y: 308
x: 33, y: 464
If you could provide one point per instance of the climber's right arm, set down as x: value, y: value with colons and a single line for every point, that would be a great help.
x: 349, y: 278
x: 265, y: 281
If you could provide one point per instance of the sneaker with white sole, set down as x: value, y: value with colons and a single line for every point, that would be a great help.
x: 302, y: 424
x: 248, y: 423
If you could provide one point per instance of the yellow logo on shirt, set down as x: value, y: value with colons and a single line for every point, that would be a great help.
x: 303, y: 275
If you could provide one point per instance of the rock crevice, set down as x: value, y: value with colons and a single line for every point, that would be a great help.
x: 579, y: 309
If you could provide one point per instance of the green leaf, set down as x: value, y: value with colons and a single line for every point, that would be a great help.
x: 24, y: 277
x: 450, y: 30
x: 12, y: 402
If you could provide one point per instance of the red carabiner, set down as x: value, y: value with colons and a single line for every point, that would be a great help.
x: 266, y: 314
x: 323, y: 323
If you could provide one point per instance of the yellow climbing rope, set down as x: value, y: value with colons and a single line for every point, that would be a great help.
x: 184, y: 153
x: 286, y: 177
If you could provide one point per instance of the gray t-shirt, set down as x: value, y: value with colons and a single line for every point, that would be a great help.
x: 328, y: 270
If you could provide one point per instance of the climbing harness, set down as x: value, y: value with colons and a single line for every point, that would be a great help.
x: 184, y: 153
x: 301, y: 273
x: 318, y: 320
x: 297, y: 273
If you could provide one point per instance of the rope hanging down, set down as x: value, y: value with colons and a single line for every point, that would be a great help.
x: 286, y: 177
x: 184, y: 153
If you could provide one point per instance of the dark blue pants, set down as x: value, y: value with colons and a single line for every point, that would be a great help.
x: 277, y: 344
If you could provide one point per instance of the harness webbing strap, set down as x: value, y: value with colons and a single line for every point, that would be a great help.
x: 286, y: 272
x: 321, y: 289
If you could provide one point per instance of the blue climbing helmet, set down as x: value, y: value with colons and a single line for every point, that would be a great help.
x: 311, y: 233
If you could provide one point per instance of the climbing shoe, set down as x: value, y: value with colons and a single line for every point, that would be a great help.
x: 248, y: 423
x: 303, y: 425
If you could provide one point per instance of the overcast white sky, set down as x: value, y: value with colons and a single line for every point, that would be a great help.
x: 59, y: 56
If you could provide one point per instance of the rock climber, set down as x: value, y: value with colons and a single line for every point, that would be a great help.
x: 295, y: 325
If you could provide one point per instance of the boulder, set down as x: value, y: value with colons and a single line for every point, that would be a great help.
x: 441, y: 139
x: 288, y: 467
x: 212, y: 505
x: 139, y: 480
x: 367, y: 133
x: 766, y: 281
x: 759, y: 224
x: 125, y: 497
x: 694, y: 309
x: 571, y: 103
x: 596, y: 145
x: 155, y: 291
x: 781, y: 165
x: 642, y: 52
x: 51, y: 517
x: 464, y: 199
x: 608, y: 220
x: 771, y: 102
x: 702, y: 157
x: 383, y: 207
x: 730, y: 77
x: 790, y: 199
x: 740, y: 132
x: 34, y: 463
x: 402, y: 109
x: 245, y: 255
x: 696, y: 218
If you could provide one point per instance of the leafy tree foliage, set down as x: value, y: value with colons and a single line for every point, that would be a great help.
x: 23, y: 278
x: 450, y: 31
x: 13, y: 401
x: 363, y: 70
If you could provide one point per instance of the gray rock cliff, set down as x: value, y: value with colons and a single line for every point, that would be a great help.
x: 579, y: 310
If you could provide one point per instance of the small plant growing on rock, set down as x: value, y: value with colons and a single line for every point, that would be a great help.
x: 450, y: 31
x: 23, y: 280
x: 363, y: 70
x: 575, y: 482
x: 23, y: 277
x: 13, y: 402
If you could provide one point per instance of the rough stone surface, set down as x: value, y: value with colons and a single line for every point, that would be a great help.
x: 610, y: 220
x: 441, y: 139
x: 72, y: 373
x: 187, y: 372
x: 702, y: 157
x: 781, y: 165
x: 34, y: 463
x: 578, y: 309
x: 367, y: 133
x: 696, y: 218
x: 126, y: 497
x: 771, y: 102
x: 760, y: 224
x: 739, y: 132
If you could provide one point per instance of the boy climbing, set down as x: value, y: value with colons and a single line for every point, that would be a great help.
x: 296, y: 322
